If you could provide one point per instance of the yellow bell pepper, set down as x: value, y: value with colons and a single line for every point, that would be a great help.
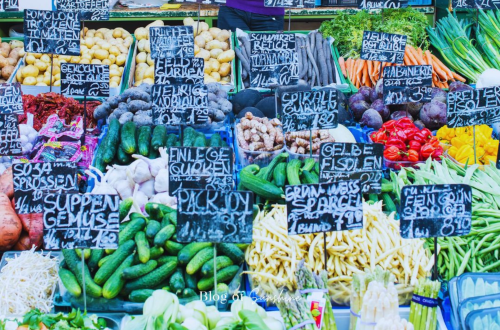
x: 461, y: 140
x: 485, y: 130
x: 465, y: 154
x: 453, y: 151
x: 487, y: 159
x: 491, y: 147
x: 445, y: 134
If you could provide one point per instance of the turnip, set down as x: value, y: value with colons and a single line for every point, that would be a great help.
x: 371, y: 118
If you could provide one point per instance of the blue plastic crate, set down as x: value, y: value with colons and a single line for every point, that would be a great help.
x: 420, y: 2
x: 446, y: 310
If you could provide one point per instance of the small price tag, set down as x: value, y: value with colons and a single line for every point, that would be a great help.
x: 11, y: 99
x: 85, y: 80
x: 90, y: 10
x: 381, y: 4
x: 290, y: 3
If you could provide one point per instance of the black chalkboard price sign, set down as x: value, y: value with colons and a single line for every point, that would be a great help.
x: 407, y: 84
x: 383, y: 47
x: 435, y: 210
x: 74, y: 221
x: 473, y: 107
x: 200, y: 168
x: 274, y: 60
x: 33, y: 180
x: 11, y: 99
x: 309, y: 110
x: 85, y: 79
x: 204, y: 2
x: 381, y: 4
x: 175, y: 105
x: 290, y: 3
x: 10, y: 145
x: 9, y: 5
x: 324, y: 207
x: 352, y: 161
x: 463, y: 4
x: 52, y: 32
x: 488, y: 4
x: 90, y: 10
x: 171, y: 41
x: 179, y: 71
x: 214, y: 216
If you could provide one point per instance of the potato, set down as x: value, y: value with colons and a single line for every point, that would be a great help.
x: 14, y: 54
x: 29, y: 81
x: 225, y: 69
x: 112, y: 59
x: 207, y: 68
x: 113, y: 84
x: 141, y: 57
x: 223, y: 35
x: 209, y: 79
x: 30, y: 71
x: 186, y: 21
x: 207, y: 36
x: 106, y: 46
x: 95, y: 61
x: 138, y: 83
x: 16, y: 44
x: 196, y: 49
x: 204, y: 54
x: 226, y: 56
x: 214, y: 64
x: 214, y: 31
x: 141, y: 45
x: 214, y: 44
x: 46, y: 80
x: 215, y: 75
x: 21, y: 52
x: 7, y: 71
x: 54, y: 70
x: 57, y: 83
x: 115, y: 79
x: 141, y: 33
x: 3, y: 62
x: 75, y: 59
x: 117, y: 33
x: 150, y: 72
x: 113, y: 67
x: 224, y: 46
x: 37, y: 55
x: 39, y: 78
x: 41, y: 83
x: 200, y: 42
x: 11, y: 61
x: 19, y: 74
x: 225, y: 80
x: 120, y: 59
x: 140, y: 70
x: 115, y: 73
x: 101, y: 54
x: 148, y: 81
x: 42, y: 66
x: 149, y: 60
x: 215, y: 52
x: 106, y: 61
x: 57, y: 76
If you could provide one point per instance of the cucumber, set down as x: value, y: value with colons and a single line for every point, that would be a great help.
x: 140, y: 295
x: 71, y: 259
x: 112, y: 141
x: 189, y: 136
x: 91, y: 288
x: 98, y: 162
x: 154, y: 278
x: 152, y: 228
x: 259, y: 186
x: 103, y: 260
x: 292, y: 172
x: 189, y: 251
x: 191, y: 281
x: 177, y: 283
x: 153, y: 154
x: 154, y: 211
x: 86, y: 253
x: 221, y: 261
x: 136, y: 271
x: 269, y: 169
x: 316, y: 168
x: 95, y: 256
x: 163, y: 260
x: 215, y: 140
x: 144, y: 140
x: 199, y: 260
x: 70, y: 282
x: 135, y: 226
x: 171, y: 138
x: 142, y: 247
x: 225, y: 275
x: 172, y: 248
x: 109, y: 251
x: 128, y: 141
x: 115, y: 283
x: 164, y: 234
x: 188, y: 292
x: 309, y: 178
x: 159, y: 137
x: 105, y: 272
x: 136, y: 215
x: 156, y: 252
x: 173, y: 218
x: 232, y: 251
x: 200, y: 141
x: 125, y: 207
x: 122, y: 157
x: 279, y: 175
x: 373, y: 198
x: 308, y: 164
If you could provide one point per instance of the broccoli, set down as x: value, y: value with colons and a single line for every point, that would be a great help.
x: 142, y: 118
x: 137, y: 105
x: 102, y: 111
x: 126, y: 117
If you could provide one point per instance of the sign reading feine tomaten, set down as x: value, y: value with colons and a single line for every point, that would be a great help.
x: 52, y: 32
x: 383, y: 47
x: 171, y: 41
x: 11, y: 99
x: 10, y: 144
x: 214, y: 216
x: 274, y: 60
x: 309, y: 110
x: 80, y: 221
x: 84, y: 80
x: 90, y: 10
x: 436, y: 210
x: 352, y: 161
x: 473, y: 107
x: 200, y: 168
x: 179, y: 71
x: 407, y: 84
x: 324, y: 207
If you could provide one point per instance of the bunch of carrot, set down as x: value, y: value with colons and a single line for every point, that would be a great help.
x: 366, y: 73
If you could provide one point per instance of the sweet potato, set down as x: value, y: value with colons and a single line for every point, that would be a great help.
x: 7, y: 183
x: 23, y: 243
x: 10, y: 224
x: 36, y: 229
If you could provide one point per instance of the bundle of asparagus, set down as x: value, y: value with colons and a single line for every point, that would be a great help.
x: 312, y: 285
x: 380, y: 301
x: 295, y: 312
x: 423, y: 313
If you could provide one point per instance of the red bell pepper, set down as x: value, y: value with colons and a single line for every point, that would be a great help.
x: 436, y: 154
x: 392, y: 153
x: 389, y: 125
x: 427, y: 150
x: 414, y: 145
x: 400, y: 134
x: 395, y: 142
x: 379, y: 137
x: 410, y: 133
x: 413, y: 155
x: 404, y: 123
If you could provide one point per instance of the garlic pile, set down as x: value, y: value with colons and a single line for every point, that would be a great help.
x: 28, y: 136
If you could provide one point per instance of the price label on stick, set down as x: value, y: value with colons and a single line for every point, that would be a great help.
x: 9, y: 5
x: 324, y: 207
x: 290, y: 3
x: 85, y: 80
x: 214, y: 216
x: 309, y: 110
x: 33, y: 180
x: 11, y: 99
x: 74, y: 221
x: 381, y: 4
x: 171, y: 41
x: 352, y: 161
x: 436, y: 210
x: 473, y: 107
x: 407, y: 84
x: 10, y: 143
x: 383, y: 47
x: 52, y: 32
x: 274, y: 60
x: 90, y: 10
x: 179, y: 71
x: 200, y: 168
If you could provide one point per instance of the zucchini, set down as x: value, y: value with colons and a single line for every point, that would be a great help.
x: 164, y: 235
x: 91, y: 288
x: 159, y: 138
x: 177, y: 283
x: 189, y: 251
x: 215, y: 140
x: 70, y: 282
x: 279, y: 175
x: 154, y: 211
x: 259, y: 186
x: 232, y: 251
x: 134, y: 226
x: 221, y: 261
x: 152, y: 228
x: 112, y: 141
x: 125, y: 207
x: 191, y: 281
x: 140, y: 295
x: 225, y: 275
x: 292, y: 172
x: 144, y: 140
x: 154, y: 278
x: 156, y: 252
x: 95, y: 256
x: 189, y: 135
x: 122, y: 157
x: 142, y: 247
x: 136, y: 271
x: 309, y: 177
x: 172, y: 248
x: 200, y: 141
x: 115, y: 283
x: 116, y: 259
x: 199, y: 260
x: 308, y: 164
x: 128, y: 141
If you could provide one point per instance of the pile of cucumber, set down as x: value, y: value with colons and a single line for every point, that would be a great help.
x: 149, y: 258
x: 122, y: 141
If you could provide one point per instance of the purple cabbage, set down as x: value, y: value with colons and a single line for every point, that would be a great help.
x: 433, y: 115
x: 438, y: 94
x: 355, y: 97
x: 365, y: 91
x: 458, y: 86
x: 371, y: 118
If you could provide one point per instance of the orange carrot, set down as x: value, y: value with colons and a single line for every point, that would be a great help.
x: 442, y: 66
x: 416, y: 56
x: 347, y: 67
x: 420, y: 54
x: 342, y: 65
x: 428, y: 57
x: 352, y: 71
x: 458, y: 77
x: 364, y: 75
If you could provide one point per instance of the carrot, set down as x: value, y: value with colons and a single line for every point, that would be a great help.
x: 347, y: 67
x: 442, y: 66
x: 365, y: 77
x: 406, y: 58
x: 458, y: 77
x: 445, y: 84
x: 342, y: 65
x: 351, y: 71
x: 416, y: 56
x: 420, y: 54
x: 428, y: 57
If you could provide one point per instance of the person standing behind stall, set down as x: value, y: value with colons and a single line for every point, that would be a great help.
x: 250, y: 15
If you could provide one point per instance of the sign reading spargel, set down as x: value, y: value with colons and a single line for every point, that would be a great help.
x: 90, y: 10
x: 436, y: 210
x: 74, y: 221
x: 214, y: 216
x: 324, y: 207
x: 171, y: 41
x: 352, y: 161
x: 11, y: 99
x: 473, y: 107
x: 383, y: 47
x: 85, y: 80
x: 407, y: 84
x: 179, y: 70
x: 52, y: 32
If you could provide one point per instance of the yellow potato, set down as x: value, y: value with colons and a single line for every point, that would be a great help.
x: 148, y: 81
x: 106, y: 61
x: 39, y: 78
x: 45, y: 58
x: 215, y: 52
x: 57, y: 83
x: 215, y: 75
x: 41, y: 66
x: 101, y: 54
x: 141, y: 57
x: 112, y: 59
x: 84, y: 61
x: 150, y: 60
x: 37, y: 55
x: 113, y: 67
x: 113, y: 73
x: 140, y: 70
x: 41, y: 83
x: 46, y: 80
x: 89, y: 42
x: 138, y: 83
x: 57, y: 76
x: 114, y: 50
x: 95, y: 47
x: 150, y: 73
x: 214, y: 64
x: 99, y: 35
x: 225, y: 69
x: 105, y: 45
x: 95, y: 61
x: 19, y: 74
x: 86, y: 57
x: 226, y: 56
x: 141, y: 33
x: 29, y: 81
x: 30, y: 59
x: 117, y: 33
x: 75, y: 59
x: 30, y: 71
x: 113, y: 84
x: 115, y: 79
x: 121, y: 69
x: 55, y: 69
